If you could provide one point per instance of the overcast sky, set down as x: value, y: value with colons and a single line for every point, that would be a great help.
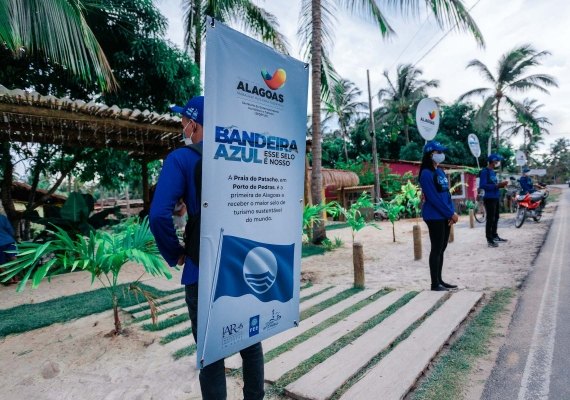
x: 505, y: 24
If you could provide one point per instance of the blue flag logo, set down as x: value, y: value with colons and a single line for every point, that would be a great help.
x: 250, y: 267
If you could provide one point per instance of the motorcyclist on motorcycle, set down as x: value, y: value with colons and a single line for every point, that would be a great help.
x: 526, y: 182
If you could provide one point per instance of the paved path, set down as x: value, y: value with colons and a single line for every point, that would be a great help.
x: 533, y: 363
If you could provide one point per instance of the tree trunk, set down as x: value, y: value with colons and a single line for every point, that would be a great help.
x: 393, y: 233
x: 497, y: 121
x: 145, y: 186
x: 407, y: 133
x: 358, y: 264
x: 118, y: 328
x: 319, y: 233
x: 36, y: 172
x: 198, y: 33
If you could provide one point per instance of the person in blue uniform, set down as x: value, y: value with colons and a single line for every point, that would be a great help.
x: 438, y: 211
x: 178, y: 180
x: 526, y: 182
x: 7, y: 244
x: 489, y: 182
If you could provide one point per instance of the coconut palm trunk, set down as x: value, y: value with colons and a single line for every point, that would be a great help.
x: 316, y: 63
x: 497, y: 124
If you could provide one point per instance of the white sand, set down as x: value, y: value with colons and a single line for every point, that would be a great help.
x: 78, y: 362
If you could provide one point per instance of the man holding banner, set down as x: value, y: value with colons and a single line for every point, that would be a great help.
x: 179, y: 180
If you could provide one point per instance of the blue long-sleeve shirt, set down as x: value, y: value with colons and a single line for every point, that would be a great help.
x: 176, y: 181
x: 435, y: 187
x: 7, y: 233
x: 489, y: 182
x: 526, y: 185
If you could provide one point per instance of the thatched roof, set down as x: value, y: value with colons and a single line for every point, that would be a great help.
x: 31, y: 117
x: 338, y: 178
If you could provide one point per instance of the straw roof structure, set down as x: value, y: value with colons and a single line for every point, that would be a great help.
x: 338, y: 178
x: 31, y: 117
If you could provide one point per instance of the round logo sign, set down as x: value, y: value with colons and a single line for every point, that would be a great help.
x: 427, y: 118
x: 474, y: 146
x: 521, y: 158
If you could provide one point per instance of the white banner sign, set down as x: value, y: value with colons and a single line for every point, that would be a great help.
x: 252, y: 197
x: 520, y: 158
x: 427, y: 118
x: 474, y: 146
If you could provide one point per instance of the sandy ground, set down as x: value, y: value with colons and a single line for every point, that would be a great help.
x: 77, y: 361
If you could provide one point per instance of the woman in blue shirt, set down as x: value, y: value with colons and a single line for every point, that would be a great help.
x: 438, y: 211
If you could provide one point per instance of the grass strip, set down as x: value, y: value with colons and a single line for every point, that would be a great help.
x: 309, y: 249
x: 167, y: 323
x: 145, y: 306
x: 375, y: 360
x: 450, y: 374
x: 345, y: 294
x: 306, y: 285
x: 160, y: 312
x: 307, y: 365
x: 184, y: 352
x: 171, y: 337
x: 332, y: 227
x: 33, y: 316
x: 302, y: 299
x: 323, y: 325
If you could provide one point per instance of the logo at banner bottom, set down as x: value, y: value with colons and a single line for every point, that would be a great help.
x: 260, y: 269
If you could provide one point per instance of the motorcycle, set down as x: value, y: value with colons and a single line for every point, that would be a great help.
x: 530, y: 205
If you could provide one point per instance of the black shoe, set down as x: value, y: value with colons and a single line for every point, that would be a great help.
x: 447, y: 285
x: 439, y: 288
x: 492, y: 244
x: 499, y: 239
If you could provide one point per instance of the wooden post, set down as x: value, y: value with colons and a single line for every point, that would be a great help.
x: 417, y: 232
x: 145, y: 186
x: 451, y: 234
x: 471, y: 219
x: 358, y: 262
x: 324, y: 197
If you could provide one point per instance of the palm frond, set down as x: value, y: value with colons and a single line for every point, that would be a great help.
x: 57, y: 30
x: 482, y: 69
x: 474, y: 92
x: 369, y: 11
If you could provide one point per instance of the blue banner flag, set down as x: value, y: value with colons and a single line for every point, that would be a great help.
x: 250, y: 267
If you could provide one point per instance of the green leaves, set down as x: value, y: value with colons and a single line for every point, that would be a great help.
x: 100, y: 254
x: 353, y: 215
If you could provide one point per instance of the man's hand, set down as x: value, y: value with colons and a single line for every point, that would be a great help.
x: 502, y: 184
x: 454, y: 219
x: 181, y: 260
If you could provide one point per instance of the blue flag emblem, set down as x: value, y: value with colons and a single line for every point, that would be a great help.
x: 250, y: 267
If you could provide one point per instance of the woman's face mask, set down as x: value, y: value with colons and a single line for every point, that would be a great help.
x: 497, y: 164
x: 438, y: 158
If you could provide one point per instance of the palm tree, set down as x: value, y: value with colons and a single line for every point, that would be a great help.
x: 252, y: 18
x: 510, y: 77
x: 530, y: 123
x: 401, y: 97
x: 342, y: 106
x: 316, y: 27
x: 57, y: 30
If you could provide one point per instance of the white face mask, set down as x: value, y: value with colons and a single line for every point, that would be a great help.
x: 438, y: 158
x: 497, y: 164
x: 187, y: 141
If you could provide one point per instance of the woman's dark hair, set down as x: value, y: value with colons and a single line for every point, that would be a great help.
x: 427, y: 163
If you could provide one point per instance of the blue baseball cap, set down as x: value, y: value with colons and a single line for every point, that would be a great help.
x: 494, y: 157
x: 193, y: 110
x: 432, y: 145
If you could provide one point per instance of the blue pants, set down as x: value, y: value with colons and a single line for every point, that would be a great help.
x: 213, y: 376
x: 4, y: 256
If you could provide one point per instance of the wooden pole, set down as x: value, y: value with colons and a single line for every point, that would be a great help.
x: 451, y: 234
x: 145, y: 185
x: 417, y: 232
x: 471, y: 219
x: 358, y: 262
